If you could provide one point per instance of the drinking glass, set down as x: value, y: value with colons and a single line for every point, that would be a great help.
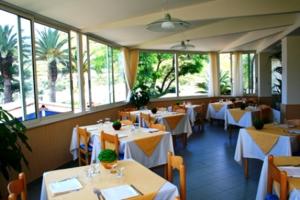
x: 100, y: 122
x: 107, y: 120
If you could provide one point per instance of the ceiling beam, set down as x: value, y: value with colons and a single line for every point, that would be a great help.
x: 264, y: 44
x: 225, y: 27
x: 216, y: 9
x: 252, y: 37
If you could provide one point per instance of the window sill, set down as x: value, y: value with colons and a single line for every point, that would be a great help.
x: 64, y: 116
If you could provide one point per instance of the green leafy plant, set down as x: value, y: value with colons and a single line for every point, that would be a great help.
x: 117, y: 125
x: 12, y: 138
x: 140, y: 96
x: 107, y: 156
x: 258, y: 124
x: 243, y: 106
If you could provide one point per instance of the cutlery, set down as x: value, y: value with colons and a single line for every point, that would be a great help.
x: 138, y: 191
x: 99, y: 194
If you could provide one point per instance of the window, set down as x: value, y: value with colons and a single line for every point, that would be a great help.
x: 52, y: 70
x: 225, y: 76
x: 276, y: 75
x: 157, y: 71
x: 16, y: 80
x: 193, y: 74
x: 120, y: 87
x: 248, y: 68
x: 100, y: 73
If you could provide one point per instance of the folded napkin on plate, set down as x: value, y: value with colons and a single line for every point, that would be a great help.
x: 150, y: 130
x: 119, y: 192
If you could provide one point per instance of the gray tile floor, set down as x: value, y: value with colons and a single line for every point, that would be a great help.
x: 212, y: 172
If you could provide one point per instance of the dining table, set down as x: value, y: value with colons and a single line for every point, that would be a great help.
x: 241, y: 118
x: 216, y: 110
x: 287, y: 163
x: 128, y: 179
x: 183, y: 124
x: 273, y: 139
x: 147, y: 146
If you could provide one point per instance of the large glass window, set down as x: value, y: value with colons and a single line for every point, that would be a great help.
x: 225, y: 76
x: 100, y: 73
x: 16, y: 80
x: 193, y: 74
x: 157, y: 71
x: 120, y: 87
x: 248, y: 68
x: 276, y: 75
x: 52, y: 70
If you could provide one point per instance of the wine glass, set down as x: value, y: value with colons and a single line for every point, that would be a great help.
x: 100, y: 122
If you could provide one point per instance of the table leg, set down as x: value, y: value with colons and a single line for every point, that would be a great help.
x: 246, y: 167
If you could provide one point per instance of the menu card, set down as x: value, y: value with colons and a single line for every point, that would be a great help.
x: 119, y: 192
x: 64, y: 186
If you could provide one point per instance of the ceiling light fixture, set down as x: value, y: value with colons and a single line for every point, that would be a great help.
x: 168, y: 24
x: 183, y: 46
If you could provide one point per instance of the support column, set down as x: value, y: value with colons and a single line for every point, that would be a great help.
x: 264, y: 88
x: 290, y: 107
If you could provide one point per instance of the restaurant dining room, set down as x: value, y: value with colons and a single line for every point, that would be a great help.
x: 150, y: 100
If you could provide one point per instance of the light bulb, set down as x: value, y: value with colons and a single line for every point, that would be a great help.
x: 167, y: 25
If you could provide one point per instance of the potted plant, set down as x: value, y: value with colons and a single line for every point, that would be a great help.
x: 117, y: 125
x: 108, y: 158
x: 12, y: 140
x: 258, y: 124
x: 140, y: 97
x: 154, y: 110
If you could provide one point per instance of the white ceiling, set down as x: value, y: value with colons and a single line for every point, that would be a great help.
x: 217, y: 25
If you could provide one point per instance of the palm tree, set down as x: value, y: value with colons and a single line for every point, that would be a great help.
x: 51, y: 48
x: 8, y: 48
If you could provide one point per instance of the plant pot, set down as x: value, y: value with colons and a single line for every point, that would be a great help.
x: 117, y: 127
x: 154, y: 110
x: 108, y: 165
x: 259, y: 126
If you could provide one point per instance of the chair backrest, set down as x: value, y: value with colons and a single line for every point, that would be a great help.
x: 274, y: 174
x: 145, y: 118
x: 266, y: 113
x: 160, y: 127
x: 295, y: 122
x: 176, y: 162
x: 110, y: 140
x: 83, y: 137
x: 200, y: 110
x: 124, y: 115
x: 126, y: 122
x: 162, y: 109
x: 18, y: 187
x: 129, y: 109
x: 179, y: 109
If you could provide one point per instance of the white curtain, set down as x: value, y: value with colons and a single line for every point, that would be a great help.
x: 214, y: 86
x: 131, y: 60
x: 237, y: 74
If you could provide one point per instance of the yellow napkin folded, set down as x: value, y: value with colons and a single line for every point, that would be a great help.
x: 217, y: 106
x: 148, y: 144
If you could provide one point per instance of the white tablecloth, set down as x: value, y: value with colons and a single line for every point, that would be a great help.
x: 167, y: 192
x: 213, y: 114
x: 184, y: 126
x: 191, y: 113
x: 263, y: 181
x: 244, y: 122
x: 247, y: 148
x: 127, y: 147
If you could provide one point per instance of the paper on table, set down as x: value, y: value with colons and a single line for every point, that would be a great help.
x: 291, y: 171
x: 296, y: 131
x: 64, y: 186
x: 150, y: 130
x: 119, y: 192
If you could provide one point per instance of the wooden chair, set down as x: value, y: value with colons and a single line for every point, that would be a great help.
x: 126, y: 122
x: 84, y: 149
x: 160, y: 127
x: 295, y: 122
x: 124, y: 115
x: 17, y: 187
x: 266, y: 113
x: 200, y: 117
x: 110, y: 140
x: 145, y: 118
x: 162, y: 109
x: 176, y: 162
x: 129, y: 109
x: 179, y: 108
x: 274, y: 174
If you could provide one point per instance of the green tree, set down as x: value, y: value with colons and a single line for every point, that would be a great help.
x: 8, y: 49
x: 50, y: 47
x: 157, y: 71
